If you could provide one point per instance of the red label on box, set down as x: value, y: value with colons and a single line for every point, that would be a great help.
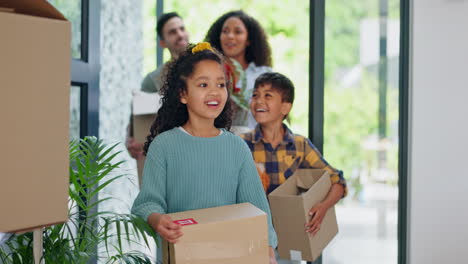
x: 184, y: 222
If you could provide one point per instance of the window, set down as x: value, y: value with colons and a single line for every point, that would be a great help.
x: 361, y: 119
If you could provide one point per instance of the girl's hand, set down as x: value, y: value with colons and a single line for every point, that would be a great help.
x: 317, y: 213
x: 272, y: 256
x: 167, y: 229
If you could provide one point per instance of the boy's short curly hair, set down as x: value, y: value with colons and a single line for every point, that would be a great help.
x: 172, y: 112
x: 278, y: 82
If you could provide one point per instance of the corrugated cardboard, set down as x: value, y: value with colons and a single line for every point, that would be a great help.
x: 34, y: 109
x: 141, y: 126
x: 290, y: 204
x: 227, y: 234
x: 144, y: 109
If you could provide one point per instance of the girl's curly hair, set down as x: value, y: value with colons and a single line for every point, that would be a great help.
x: 258, y: 51
x: 172, y: 112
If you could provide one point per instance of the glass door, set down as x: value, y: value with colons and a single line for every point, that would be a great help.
x: 361, y: 119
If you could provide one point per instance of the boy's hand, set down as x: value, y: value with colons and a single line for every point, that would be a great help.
x: 272, y: 256
x: 167, y: 229
x: 134, y: 148
x: 317, y: 213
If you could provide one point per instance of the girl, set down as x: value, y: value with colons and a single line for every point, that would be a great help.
x: 241, y: 38
x: 187, y: 167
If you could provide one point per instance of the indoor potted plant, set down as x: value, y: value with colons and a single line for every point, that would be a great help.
x: 91, y: 165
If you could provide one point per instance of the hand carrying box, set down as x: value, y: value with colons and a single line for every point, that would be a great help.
x: 290, y: 204
x: 229, y: 234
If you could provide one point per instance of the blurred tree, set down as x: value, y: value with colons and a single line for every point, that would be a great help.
x: 287, y: 26
x: 350, y: 113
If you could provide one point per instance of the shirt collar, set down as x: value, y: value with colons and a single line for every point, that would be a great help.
x: 252, y: 67
x: 288, y: 135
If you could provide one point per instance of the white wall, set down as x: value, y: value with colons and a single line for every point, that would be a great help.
x: 438, y: 205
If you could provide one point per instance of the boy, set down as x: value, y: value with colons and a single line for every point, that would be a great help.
x: 281, y: 151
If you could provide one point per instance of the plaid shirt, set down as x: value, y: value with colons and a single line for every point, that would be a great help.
x: 292, y: 153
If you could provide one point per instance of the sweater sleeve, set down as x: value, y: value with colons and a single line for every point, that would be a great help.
x: 250, y: 190
x: 152, y: 196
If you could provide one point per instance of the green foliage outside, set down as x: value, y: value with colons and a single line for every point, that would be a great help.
x: 351, y: 112
x: 351, y: 119
x: 287, y: 26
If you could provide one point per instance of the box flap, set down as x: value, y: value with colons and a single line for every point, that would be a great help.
x: 319, y: 190
x: 219, y: 214
x: 40, y: 8
x: 287, y: 188
x: 307, y: 177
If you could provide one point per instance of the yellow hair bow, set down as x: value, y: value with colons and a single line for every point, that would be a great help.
x: 201, y: 46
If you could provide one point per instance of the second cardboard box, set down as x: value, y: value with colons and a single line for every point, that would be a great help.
x: 290, y: 204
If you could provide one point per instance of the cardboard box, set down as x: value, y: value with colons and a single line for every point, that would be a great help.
x: 144, y: 109
x: 227, y: 234
x: 34, y: 108
x: 290, y: 204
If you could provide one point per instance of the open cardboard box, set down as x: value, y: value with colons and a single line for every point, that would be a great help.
x: 34, y: 108
x: 290, y: 204
x: 229, y: 234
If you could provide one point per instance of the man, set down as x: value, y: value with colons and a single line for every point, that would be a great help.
x: 172, y: 35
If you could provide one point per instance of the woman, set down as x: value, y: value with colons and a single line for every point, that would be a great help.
x: 241, y: 38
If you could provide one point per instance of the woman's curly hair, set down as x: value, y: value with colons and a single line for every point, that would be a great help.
x: 172, y: 112
x: 258, y: 51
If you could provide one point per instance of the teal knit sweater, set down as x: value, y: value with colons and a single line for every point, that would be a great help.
x: 183, y: 172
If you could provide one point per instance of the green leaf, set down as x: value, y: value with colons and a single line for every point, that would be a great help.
x: 74, y: 242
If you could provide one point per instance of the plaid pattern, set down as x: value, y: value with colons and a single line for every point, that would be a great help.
x: 294, y: 152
